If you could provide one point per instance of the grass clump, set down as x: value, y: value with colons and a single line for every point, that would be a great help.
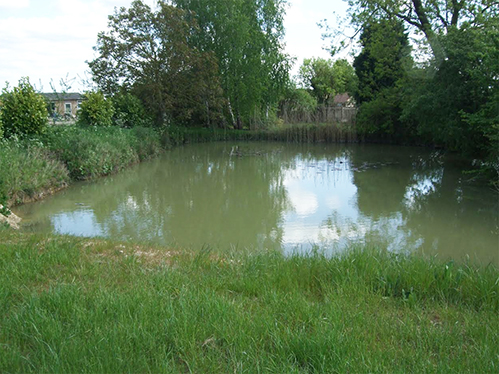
x: 27, y: 169
x: 73, y: 304
x: 34, y: 166
x: 89, y: 152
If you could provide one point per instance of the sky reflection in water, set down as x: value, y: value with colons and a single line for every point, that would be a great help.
x: 284, y: 196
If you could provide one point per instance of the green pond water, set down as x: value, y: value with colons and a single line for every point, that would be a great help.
x: 285, y: 196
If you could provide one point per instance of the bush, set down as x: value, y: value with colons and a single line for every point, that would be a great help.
x: 96, y: 110
x: 129, y: 111
x: 24, y: 112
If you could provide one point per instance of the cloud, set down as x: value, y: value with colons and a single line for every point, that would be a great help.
x: 17, y: 4
x: 53, y: 40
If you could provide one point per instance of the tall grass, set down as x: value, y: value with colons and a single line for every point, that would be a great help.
x: 292, y: 133
x: 80, y: 305
x: 27, y: 169
x: 33, y: 167
x: 89, y: 152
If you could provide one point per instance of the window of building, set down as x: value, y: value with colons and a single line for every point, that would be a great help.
x: 68, y: 108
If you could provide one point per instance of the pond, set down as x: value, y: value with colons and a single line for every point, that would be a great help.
x: 284, y: 196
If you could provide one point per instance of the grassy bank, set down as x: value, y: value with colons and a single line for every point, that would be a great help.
x: 81, y: 305
x: 31, y: 168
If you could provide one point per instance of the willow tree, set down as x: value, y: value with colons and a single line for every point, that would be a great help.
x: 149, y: 52
x: 246, y: 38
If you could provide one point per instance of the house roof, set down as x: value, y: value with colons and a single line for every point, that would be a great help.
x: 341, y: 98
x: 55, y: 96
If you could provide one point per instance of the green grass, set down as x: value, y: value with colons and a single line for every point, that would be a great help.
x: 88, y: 305
x: 291, y: 133
x: 32, y: 167
x: 27, y: 170
x: 90, y: 152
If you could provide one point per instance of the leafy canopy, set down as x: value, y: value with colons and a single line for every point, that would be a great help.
x: 246, y: 38
x: 96, y: 110
x: 149, y: 52
x: 431, y: 18
x: 325, y: 78
x: 381, y: 68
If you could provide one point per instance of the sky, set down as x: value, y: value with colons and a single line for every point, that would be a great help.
x: 50, y: 40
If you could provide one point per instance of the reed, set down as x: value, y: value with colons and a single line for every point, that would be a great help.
x: 31, y: 168
x: 292, y: 133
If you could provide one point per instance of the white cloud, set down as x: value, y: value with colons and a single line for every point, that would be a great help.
x: 17, y: 4
x: 50, y: 39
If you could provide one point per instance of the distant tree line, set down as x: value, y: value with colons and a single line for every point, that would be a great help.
x: 189, y: 62
x: 221, y: 64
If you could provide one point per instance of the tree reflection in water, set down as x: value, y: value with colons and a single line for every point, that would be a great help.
x: 272, y: 195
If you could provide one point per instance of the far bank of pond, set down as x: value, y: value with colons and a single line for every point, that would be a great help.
x: 284, y: 196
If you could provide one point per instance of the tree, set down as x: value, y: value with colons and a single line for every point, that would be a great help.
x: 96, y: 110
x: 429, y: 17
x: 381, y: 68
x: 454, y: 103
x: 150, y: 53
x: 316, y: 74
x: 325, y: 78
x: 129, y: 111
x: 23, y: 111
x: 296, y: 105
x: 246, y: 38
x: 1, y: 124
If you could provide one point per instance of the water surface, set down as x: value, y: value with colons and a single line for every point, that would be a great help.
x: 290, y: 197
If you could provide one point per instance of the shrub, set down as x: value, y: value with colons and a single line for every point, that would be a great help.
x: 129, y: 111
x: 24, y: 112
x: 96, y: 110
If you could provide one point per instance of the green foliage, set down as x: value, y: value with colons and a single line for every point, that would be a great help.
x: 299, y: 100
x: 429, y: 18
x: 317, y: 74
x: 1, y: 123
x: 23, y: 111
x: 129, y: 111
x: 149, y: 53
x: 486, y: 120
x: 27, y: 169
x: 325, y: 78
x: 246, y: 40
x: 382, y: 68
x: 96, y: 151
x: 96, y: 110
x: 456, y: 107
